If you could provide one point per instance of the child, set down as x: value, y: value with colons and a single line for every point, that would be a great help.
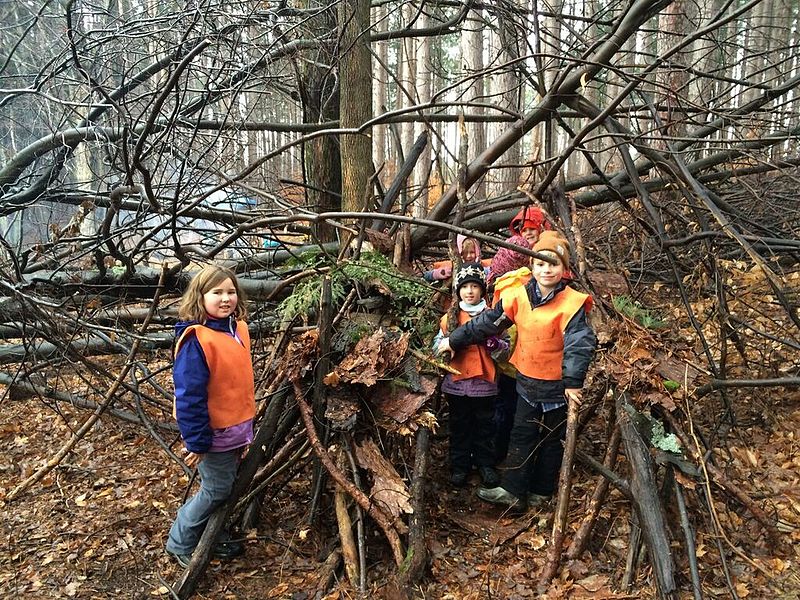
x: 507, y: 260
x: 470, y: 251
x: 554, y: 347
x: 529, y: 223
x: 471, y: 395
x: 214, y: 401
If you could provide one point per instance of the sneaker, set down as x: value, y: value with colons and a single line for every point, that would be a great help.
x: 458, y: 478
x: 182, y: 559
x: 228, y: 550
x: 537, y: 499
x: 503, y: 497
x: 489, y: 477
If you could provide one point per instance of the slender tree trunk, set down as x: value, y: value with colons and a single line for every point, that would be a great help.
x: 380, y: 100
x: 472, y: 38
x: 424, y: 82
x: 356, y: 101
x: 320, y: 98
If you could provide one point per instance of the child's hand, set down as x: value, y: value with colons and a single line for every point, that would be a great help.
x: 192, y: 459
x: 573, y: 395
x: 495, y: 343
x: 444, y: 346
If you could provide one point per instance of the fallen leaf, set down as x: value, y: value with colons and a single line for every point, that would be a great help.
x: 161, y: 591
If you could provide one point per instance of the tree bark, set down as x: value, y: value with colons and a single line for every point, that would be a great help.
x: 646, y: 502
x: 356, y: 102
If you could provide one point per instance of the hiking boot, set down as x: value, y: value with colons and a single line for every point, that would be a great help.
x: 501, y: 496
x: 227, y: 550
x: 458, y: 478
x: 536, y: 499
x: 489, y: 477
x: 182, y: 559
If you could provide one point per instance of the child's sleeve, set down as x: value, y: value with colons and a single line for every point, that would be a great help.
x: 492, y: 321
x: 190, y: 375
x: 579, y: 345
x: 440, y: 335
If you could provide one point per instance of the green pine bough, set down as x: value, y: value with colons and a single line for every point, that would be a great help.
x: 409, y: 303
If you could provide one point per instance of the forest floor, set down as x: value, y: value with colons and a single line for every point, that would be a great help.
x: 96, y: 526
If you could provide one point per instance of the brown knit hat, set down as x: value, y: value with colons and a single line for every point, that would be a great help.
x: 553, y: 241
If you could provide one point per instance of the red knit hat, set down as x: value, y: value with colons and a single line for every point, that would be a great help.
x: 531, y: 217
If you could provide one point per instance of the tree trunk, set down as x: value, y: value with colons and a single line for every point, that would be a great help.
x: 320, y: 97
x: 356, y: 102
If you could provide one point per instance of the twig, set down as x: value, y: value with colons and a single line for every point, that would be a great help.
x: 432, y: 361
x: 688, y: 534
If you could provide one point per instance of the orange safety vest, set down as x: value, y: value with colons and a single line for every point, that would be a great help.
x: 231, y: 387
x: 539, y: 352
x: 472, y: 361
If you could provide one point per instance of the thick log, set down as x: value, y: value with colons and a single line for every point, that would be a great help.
x: 646, y: 502
x: 143, y: 283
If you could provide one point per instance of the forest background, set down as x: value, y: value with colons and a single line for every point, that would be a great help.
x: 326, y: 151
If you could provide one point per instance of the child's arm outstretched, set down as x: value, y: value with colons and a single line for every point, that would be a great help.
x: 191, y: 375
x: 490, y: 322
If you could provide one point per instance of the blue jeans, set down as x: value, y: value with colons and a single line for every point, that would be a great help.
x: 217, y: 474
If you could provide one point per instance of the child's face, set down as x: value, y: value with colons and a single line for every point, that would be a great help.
x: 547, y: 275
x: 221, y: 300
x: 470, y: 292
x: 531, y: 234
x: 468, y: 253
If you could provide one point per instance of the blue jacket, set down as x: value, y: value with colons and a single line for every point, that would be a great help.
x: 190, y: 375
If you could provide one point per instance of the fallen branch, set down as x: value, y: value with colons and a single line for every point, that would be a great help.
x: 417, y: 556
x: 90, y: 422
x: 564, y: 489
x: 646, y: 502
x: 581, y: 539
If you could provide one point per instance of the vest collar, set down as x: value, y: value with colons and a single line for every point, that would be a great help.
x: 535, y: 294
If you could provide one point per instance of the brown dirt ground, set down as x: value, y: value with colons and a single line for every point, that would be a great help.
x: 95, y: 527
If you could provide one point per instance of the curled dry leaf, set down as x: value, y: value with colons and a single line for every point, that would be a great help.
x: 373, y: 358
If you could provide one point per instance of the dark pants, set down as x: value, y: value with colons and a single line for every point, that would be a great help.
x: 535, y: 450
x: 471, y: 432
x: 504, y: 409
